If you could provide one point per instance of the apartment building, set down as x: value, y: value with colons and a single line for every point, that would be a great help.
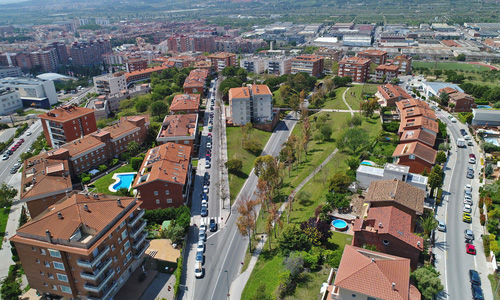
x: 390, y: 94
x: 462, y: 102
x: 255, y: 65
x: 196, y: 82
x: 164, y: 178
x: 132, y: 65
x: 221, y: 60
x: 378, y: 57
x: 141, y: 75
x: 10, y: 72
x: 330, y: 56
x: 279, y: 65
x: 89, y: 53
x: 310, y: 64
x: 416, y: 155
x: 186, y: 104
x: 251, y: 104
x: 10, y: 101
x: 404, y: 63
x: 386, y: 72
x: 355, y: 67
x: 105, y: 104
x: 61, y: 51
x: 109, y: 84
x: 33, y: 92
x: 67, y: 123
x: 84, y: 247
x: 180, y: 129
x: 47, y: 59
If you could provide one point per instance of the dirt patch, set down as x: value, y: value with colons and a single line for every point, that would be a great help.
x: 164, y: 250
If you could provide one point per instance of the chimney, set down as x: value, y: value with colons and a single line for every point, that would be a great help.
x: 49, y: 237
x: 393, y: 286
x: 119, y: 202
x: 380, y: 224
x: 59, y: 216
x: 373, y: 260
x: 164, y: 171
x: 85, y: 207
x: 418, y: 243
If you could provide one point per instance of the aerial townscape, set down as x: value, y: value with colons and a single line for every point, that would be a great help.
x: 254, y: 150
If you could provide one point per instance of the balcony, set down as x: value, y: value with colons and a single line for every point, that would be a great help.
x: 134, y: 220
x: 98, y: 289
x: 106, y: 292
x: 141, y: 250
x: 139, y: 240
x: 135, y: 233
x: 94, y: 262
x: 98, y: 272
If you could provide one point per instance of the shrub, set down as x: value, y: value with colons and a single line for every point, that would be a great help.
x: 135, y: 163
x: 439, y: 196
x: 253, y: 146
x: 441, y: 157
x: 494, y: 247
x: 392, y: 126
x: 102, y: 168
x: 482, y: 219
x: 486, y: 244
x: 481, y: 210
x: 85, y: 180
x: 114, y: 162
x: 178, y: 274
x: 234, y: 165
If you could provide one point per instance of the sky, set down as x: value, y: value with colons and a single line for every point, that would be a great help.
x: 11, y: 1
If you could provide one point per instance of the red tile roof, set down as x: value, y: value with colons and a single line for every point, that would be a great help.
x: 419, y: 122
x: 239, y: 92
x: 389, y: 91
x: 65, y: 113
x: 185, y: 102
x: 373, y: 273
x: 196, y: 78
x: 418, y: 135
x: 145, y: 71
x: 396, y: 191
x: 372, y: 52
x: 393, y: 68
x: 260, y: 89
x: 44, y: 176
x: 418, y: 149
x: 183, y: 125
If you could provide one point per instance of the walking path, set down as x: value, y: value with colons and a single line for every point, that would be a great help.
x: 240, y: 282
x: 343, y: 98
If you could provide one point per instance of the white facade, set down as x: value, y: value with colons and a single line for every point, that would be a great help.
x: 279, y: 65
x: 262, y: 102
x: 366, y: 174
x: 255, y: 65
x: 32, y: 89
x: 357, y: 40
x: 240, y: 109
x: 110, y: 83
x: 10, y: 101
x: 10, y: 72
x: 251, y: 104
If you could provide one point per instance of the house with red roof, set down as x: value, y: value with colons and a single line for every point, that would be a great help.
x: 185, y: 103
x: 390, y: 94
x: 179, y: 129
x: 416, y: 155
x: 462, y: 102
x: 365, y: 274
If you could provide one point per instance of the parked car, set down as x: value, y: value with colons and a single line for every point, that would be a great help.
x: 204, y: 197
x: 209, y: 145
x: 207, y: 165
x: 463, y: 132
x: 5, y: 156
x: 205, y: 189
x: 472, y: 158
x: 468, y: 189
x: 28, y: 133
x: 13, y: 171
x: 213, y: 225
x: 204, y: 203
x: 200, y: 246
x: 469, y: 234
x: 474, y: 277
x: 441, y: 226
x: 9, y: 152
x: 199, y: 257
x: 466, y: 217
x: 453, y: 120
x: 470, y: 143
x: 204, y: 212
x: 467, y: 201
x: 203, y: 228
x: 477, y: 292
x: 198, y: 270
x: 202, y: 236
x: 470, y: 249
x: 467, y: 137
x: 470, y: 173
x: 467, y: 208
x: 206, y: 176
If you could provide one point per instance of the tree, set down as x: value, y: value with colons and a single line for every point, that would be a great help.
x: 428, y: 223
x: 368, y: 107
x: 339, y: 182
x: 294, y: 103
x: 333, y: 257
x: 158, y: 108
x: 438, y: 73
x: 304, y: 197
x: 435, y: 178
x: 461, y: 57
x: 7, y: 194
x: 133, y: 148
x: 246, y: 219
x: 488, y: 171
x: 291, y: 239
x: 354, y: 139
x: 395, y: 80
x: 441, y: 157
x: 352, y: 162
x: 174, y: 233
x: 260, y: 293
x: 254, y: 146
x: 318, y: 232
x: 356, y: 120
x: 337, y: 200
x: 326, y: 131
x: 427, y: 281
x: 123, y: 192
x: 285, y: 92
x: 444, y: 98
x: 294, y: 263
x: 234, y: 165
x: 141, y: 105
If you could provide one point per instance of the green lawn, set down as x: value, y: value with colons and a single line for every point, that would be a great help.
x: 449, y: 66
x: 494, y: 283
x: 354, y: 95
x: 336, y: 102
x: 102, y: 184
x: 4, y: 217
x: 265, y: 272
x: 235, y: 150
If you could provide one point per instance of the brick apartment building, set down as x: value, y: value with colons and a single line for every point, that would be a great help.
x: 404, y: 63
x: 462, y: 102
x: 141, y: 75
x: 180, y: 129
x: 137, y: 64
x: 185, y: 103
x: 61, y: 51
x: 221, y: 60
x: 355, y: 67
x: 386, y: 72
x: 390, y: 94
x: 195, y: 83
x: 89, y: 54
x: 46, y: 59
x: 378, y: 57
x: 330, y: 57
x: 416, y: 155
x: 85, y: 247
x: 164, y: 177
x: 310, y: 64
x: 67, y: 123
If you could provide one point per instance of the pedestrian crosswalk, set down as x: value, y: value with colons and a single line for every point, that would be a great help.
x: 206, y: 220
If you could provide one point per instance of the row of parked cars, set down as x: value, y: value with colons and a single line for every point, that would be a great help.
x: 11, y: 151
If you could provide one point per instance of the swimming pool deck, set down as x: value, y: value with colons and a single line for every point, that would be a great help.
x: 117, y: 179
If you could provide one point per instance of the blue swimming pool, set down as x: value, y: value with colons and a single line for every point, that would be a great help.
x: 484, y: 107
x: 367, y: 163
x: 124, y: 181
x: 339, y: 224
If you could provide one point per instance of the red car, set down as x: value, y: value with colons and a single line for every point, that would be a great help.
x: 21, y: 140
x: 470, y: 249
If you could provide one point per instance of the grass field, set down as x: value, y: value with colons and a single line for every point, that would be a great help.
x: 354, y: 95
x: 235, y: 150
x: 494, y: 283
x: 4, y: 217
x: 449, y: 66
x: 102, y: 184
x: 336, y: 102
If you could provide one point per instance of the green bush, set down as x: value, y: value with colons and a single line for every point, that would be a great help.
x: 392, y: 126
x: 21, y: 129
x: 486, y: 244
x: 253, y: 146
x: 114, y: 162
x: 439, y: 196
x: 136, y: 162
x: 178, y: 274
x: 85, y: 180
x: 102, y: 168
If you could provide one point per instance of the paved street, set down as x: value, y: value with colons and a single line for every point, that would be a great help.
x: 451, y: 259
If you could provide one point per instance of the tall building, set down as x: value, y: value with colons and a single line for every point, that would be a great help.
x: 164, y: 177
x: 110, y: 84
x: 378, y: 57
x: 84, y: 247
x: 279, y: 65
x: 47, y: 60
x: 89, y: 54
x: 10, y: 72
x: 33, y: 92
x: 310, y: 64
x: 355, y: 67
x: 221, y: 60
x: 61, y: 51
x: 255, y: 65
x: 141, y: 75
x: 67, y: 123
x: 204, y: 43
x: 330, y: 57
x: 179, y: 43
x: 10, y: 100
x: 404, y: 63
x: 251, y: 104
x: 132, y: 65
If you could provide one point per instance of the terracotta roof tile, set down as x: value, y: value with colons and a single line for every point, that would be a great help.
x: 397, y: 191
x: 418, y: 135
x: 185, y: 102
x: 260, y: 89
x: 419, y: 122
x: 239, y: 92
x: 418, y: 149
x: 373, y: 273
x: 196, y: 78
x: 179, y: 125
x: 65, y: 113
x: 389, y: 91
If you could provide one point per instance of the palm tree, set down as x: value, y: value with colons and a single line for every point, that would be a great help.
x: 428, y: 223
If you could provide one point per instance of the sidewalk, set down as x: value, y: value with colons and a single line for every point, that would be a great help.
x: 224, y: 184
x: 347, y: 104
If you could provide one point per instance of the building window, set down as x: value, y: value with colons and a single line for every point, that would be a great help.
x: 54, y: 253
x: 41, y: 273
x: 50, y: 275
x: 157, y: 201
x: 47, y: 264
x: 54, y: 287
x: 167, y: 192
x: 118, y: 270
x: 115, y: 259
x: 33, y: 248
x: 126, y: 245
x: 45, y: 284
x: 113, y: 247
x: 156, y: 193
x: 124, y: 234
x: 385, y: 242
x: 42, y: 251
x: 169, y: 200
x: 412, y: 156
x: 58, y: 265
x: 65, y: 289
x: 37, y: 261
x: 62, y: 277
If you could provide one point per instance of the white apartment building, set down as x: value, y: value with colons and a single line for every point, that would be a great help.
x: 33, y: 92
x: 251, y: 104
x: 279, y: 65
x: 255, y: 65
x: 10, y: 72
x: 10, y: 101
x: 110, y: 83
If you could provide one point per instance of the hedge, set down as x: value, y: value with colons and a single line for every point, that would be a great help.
x: 439, y: 196
x: 178, y: 274
x: 486, y: 244
x: 21, y: 129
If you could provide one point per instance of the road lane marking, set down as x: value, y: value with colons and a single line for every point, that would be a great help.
x: 223, y: 262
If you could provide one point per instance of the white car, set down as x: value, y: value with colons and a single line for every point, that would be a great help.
x: 204, y: 203
x: 5, y: 157
x: 198, y: 270
x: 453, y: 120
x: 472, y: 160
x: 467, y: 137
x: 441, y: 226
x: 467, y: 202
x: 470, y: 143
x: 200, y: 246
x: 209, y: 145
x: 467, y: 208
x: 205, y: 189
x: 468, y: 189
